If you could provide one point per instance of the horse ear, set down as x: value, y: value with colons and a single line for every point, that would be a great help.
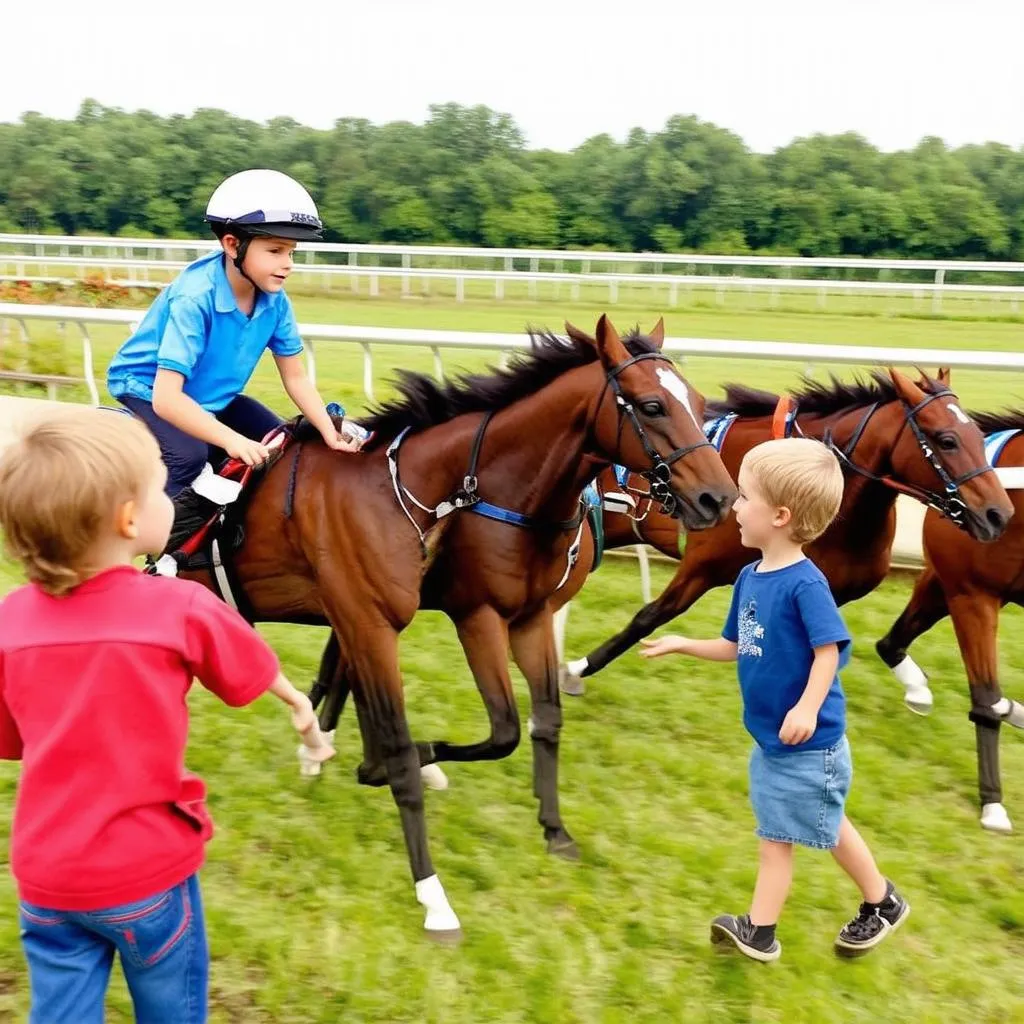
x: 906, y: 388
x: 657, y: 335
x: 609, y: 344
x: 944, y: 375
x: 579, y: 336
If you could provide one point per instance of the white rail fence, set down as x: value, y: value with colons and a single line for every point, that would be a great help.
x: 43, y: 245
x: 366, y: 337
x: 775, y: 274
x: 139, y: 273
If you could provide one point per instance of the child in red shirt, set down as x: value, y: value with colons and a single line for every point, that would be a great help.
x: 96, y: 660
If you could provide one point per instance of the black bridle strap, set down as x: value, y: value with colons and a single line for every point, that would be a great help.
x: 950, y: 504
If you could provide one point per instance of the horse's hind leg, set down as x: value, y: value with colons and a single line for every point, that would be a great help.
x: 329, y: 692
x: 533, y: 647
x: 976, y: 621
x: 326, y: 676
x: 927, y: 605
x: 484, y: 638
x: 335, y: 680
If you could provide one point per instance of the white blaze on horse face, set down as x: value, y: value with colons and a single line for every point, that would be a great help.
x: 958, y: 412
x: 676, y: 387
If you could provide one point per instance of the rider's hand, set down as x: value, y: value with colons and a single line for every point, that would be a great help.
x: 339, y: 443
x: 252, y: 453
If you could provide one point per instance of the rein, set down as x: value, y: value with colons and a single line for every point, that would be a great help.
x: 467, y: 496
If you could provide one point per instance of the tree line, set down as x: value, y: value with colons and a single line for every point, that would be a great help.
x: 466, y: 176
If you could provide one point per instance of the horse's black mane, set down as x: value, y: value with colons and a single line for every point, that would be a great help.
x: 814, y: 397
x: 424, y: 402
x: 1004, y: 419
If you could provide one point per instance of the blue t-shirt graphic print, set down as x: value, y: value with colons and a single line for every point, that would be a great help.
x: 776, y: 619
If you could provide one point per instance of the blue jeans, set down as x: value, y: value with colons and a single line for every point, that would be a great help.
x: 185, y: 455
x: 162, y: 944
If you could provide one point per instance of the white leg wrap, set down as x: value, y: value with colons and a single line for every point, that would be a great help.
x: 440, y: 916
x: 577, y: 666
x: 433, y: 777
x: 1010, y: 712
x: 917, y: 696
x: 995, y: 819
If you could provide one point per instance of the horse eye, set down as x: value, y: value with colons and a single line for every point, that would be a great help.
x: 652, y: 408
x: 948, y: 442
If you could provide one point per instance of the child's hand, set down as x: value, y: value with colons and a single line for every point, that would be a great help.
x: 339, y: 443
x: 252, y: 453
x: 306, y: 725
x: 663, y: 645
x: 799, y: 725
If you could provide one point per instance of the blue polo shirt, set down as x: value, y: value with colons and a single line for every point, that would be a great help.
x: 196, y: 329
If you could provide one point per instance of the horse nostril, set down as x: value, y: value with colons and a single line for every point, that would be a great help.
x: 996, y: 518
x: 713, y: 504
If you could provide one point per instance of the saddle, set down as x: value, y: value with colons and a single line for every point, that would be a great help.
x: 207, y: 513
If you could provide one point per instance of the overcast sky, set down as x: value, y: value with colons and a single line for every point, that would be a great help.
x: 893, y: 70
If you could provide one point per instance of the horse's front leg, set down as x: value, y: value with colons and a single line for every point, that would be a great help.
x: 533, y: 647
x: 927, y: 605
x: 335, y: 680
x: 369, y: 648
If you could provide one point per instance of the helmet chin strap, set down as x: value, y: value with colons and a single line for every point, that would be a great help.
x: 239, y: 260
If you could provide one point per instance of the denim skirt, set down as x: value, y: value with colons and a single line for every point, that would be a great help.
x: 799, y: 797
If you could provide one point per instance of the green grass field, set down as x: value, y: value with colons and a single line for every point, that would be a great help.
x: 310, y: 905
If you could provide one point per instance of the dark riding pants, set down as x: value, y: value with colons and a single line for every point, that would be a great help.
x: 185, y: 455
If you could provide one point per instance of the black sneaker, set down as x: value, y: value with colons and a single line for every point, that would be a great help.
x: 744, y: 937
x: 875, y: 922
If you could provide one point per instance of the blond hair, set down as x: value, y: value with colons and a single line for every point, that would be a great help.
x: 802, y: 475
x: 60, y: 486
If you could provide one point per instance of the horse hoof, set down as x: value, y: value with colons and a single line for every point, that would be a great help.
x: 995, y: 819
x: 919, y: 701
x: 433, y: 777
x: 569, y: 684
x: 375, y: 777
x: 445, y: 936
x: 564, y: 847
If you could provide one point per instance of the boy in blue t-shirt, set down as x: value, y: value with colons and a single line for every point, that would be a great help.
x: 183, y: 371
x: 789, y: 640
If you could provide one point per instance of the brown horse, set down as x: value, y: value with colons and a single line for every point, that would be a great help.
x: 347, y: 540
x: 891, y: 435
x: 970, y: 583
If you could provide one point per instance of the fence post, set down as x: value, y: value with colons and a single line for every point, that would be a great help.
x: 940, y: 280
x: 90, y: 378
x: 307, y: 344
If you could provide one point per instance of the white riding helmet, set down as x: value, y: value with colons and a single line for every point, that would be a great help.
x: 264, y: 202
